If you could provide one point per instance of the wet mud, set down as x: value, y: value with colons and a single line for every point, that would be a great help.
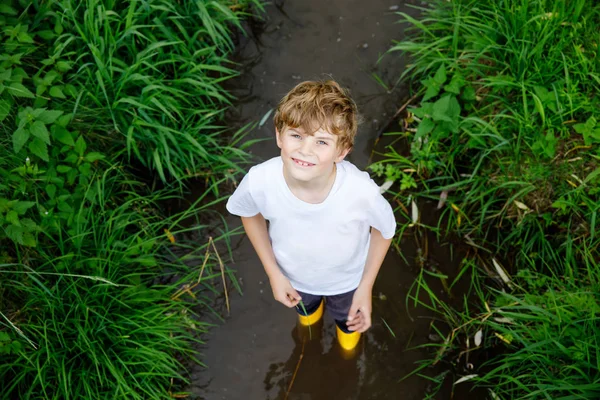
x: 258, y: 353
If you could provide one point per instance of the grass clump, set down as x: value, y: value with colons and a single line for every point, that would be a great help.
x: 504, y: 137
x: 96, y: 296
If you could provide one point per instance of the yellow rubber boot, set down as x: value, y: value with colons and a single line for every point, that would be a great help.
x: 311, y: 319
x: 347, y: 341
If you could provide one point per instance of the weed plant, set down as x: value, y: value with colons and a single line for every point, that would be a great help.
x: 504, y: 137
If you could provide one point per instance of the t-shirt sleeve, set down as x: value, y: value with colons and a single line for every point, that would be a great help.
x: 241, y: 202
x: 381, y: 216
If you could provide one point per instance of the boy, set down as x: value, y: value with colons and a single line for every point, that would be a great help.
x: 329, y: 226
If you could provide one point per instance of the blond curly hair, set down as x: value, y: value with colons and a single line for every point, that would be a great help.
x: 314, y: 105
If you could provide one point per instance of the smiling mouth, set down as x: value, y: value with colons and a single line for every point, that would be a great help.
x: 302, y: 163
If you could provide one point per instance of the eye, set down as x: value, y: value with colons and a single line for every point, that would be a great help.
x: 322, y: 142
x: 296, y: 136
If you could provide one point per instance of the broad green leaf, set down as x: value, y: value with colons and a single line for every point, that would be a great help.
x: 29, y: 224
x: 62, y: 135
x: 93, y: 156
x: 29, y: 240
x: 18, y: 90
x: 64, y: 206
x: 56, y: 91
x: 13, y: 217
x: 425, y: 126
x: 51, y: 190
x: 469, y: 94
x: 5, y: 74
x: 49, y: 116
x: 50, y: 77
x: 64, y: 120
x: 425, y: 110
x: 8, y: 10
x: 63, y: 168
x: 24, y: 37
x: 4, y: 109
x: 455, y: 84
x: 46, y: 35
x: 19, y: 138
x: 71, y: 90
x: 15, y: 233
x: 40, y: 89
x: 39, y: 130
x: 63, y: 66
x: 80, y: 146
x: 21, y: 207
x: 39, y: 148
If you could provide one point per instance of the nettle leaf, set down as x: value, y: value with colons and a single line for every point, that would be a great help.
x: 434, y: 84
x: 19, y: 138
x: 50, y: 77
x: 8, y: 10
x: 62, y: 135
x: 63, y: 66
x: 5, y: 74
x: 455, y: 84
x: 425, y: 126
x: 94, y: 156
x: 64, y: 206
x: 39, y: 130
x: 446, y: 109
x: 542, y: 93
x: 15, y: 233
x: 39, y: 148
x: 24, y: 37
x: 51, y: 190
x: 56, y: 91
x: 469, y: 94
x: 46, y: 35
x: 40, y: 89
x: 49, y: 116
x: 63, y: 169
x: 64, y: 120
x: 80, y: 146
x: 21, y: 207
x: 18, y: 90
x: 29, y: 239
x: 425, y: 110
x: 5, y: 107
x: 13, y: 217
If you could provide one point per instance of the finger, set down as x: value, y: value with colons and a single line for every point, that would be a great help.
x: 366, y: 323
x: 352, y: 313
x: 294, y: 294
x: 290, y: 301
x: 356, y: 323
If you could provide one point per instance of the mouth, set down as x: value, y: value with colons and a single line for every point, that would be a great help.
x: 302, y: 163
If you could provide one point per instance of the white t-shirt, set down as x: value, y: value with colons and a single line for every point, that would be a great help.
x: 321, y: 248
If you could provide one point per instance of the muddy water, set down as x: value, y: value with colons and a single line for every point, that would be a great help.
x: 258, y: 353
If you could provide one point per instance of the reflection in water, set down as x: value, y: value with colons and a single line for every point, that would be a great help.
x: 318, y: 367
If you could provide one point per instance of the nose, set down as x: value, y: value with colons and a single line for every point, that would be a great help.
x: 307, y: 147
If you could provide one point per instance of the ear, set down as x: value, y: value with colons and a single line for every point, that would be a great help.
x: 278, y: 136
x: 342, y: 154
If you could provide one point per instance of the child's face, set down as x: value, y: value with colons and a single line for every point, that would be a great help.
x: 308, y: 157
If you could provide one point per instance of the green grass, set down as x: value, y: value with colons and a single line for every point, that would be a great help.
x: 101, y: 293
x: 506, y: 131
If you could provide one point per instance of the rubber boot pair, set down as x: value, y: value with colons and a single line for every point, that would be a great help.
x: 347, y: 341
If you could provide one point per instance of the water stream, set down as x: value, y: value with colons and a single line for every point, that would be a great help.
x: 257, y: 353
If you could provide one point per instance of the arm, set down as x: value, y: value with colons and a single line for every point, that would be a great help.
x: 256, y: 229
x: 361, y: 301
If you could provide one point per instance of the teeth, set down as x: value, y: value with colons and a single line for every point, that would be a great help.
x: 304, y: 164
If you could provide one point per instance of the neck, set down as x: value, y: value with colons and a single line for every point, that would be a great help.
x: 314, y: 191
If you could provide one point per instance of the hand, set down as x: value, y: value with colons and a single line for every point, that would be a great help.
x: 284, y: 292
x: 359, y: 317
